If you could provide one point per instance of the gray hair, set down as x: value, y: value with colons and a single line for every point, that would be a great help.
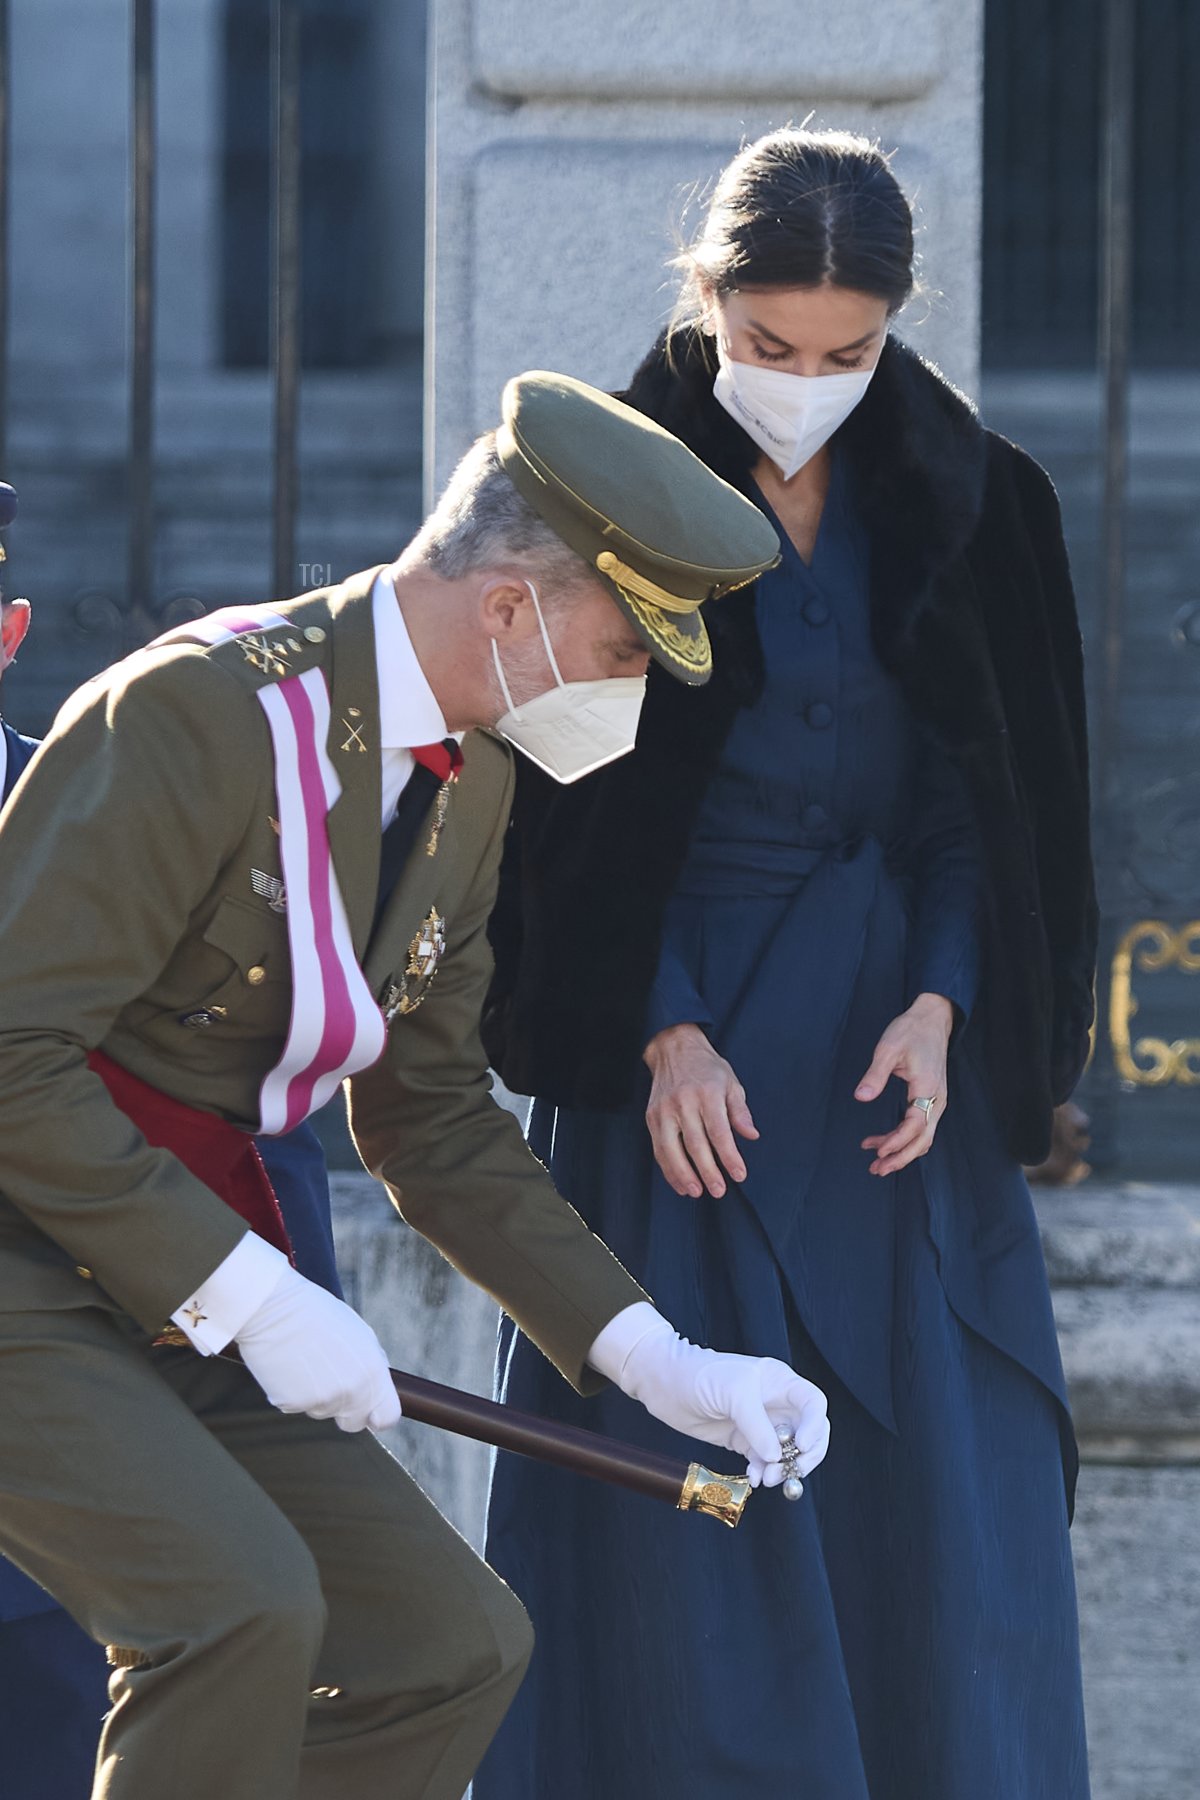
x: 481, y: 522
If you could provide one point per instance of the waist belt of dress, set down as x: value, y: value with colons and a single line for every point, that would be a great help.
x: 217, y: 1153
x: 735, y: 870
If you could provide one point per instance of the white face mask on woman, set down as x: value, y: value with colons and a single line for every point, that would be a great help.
x: 789, y: 417
x: 575, y: 726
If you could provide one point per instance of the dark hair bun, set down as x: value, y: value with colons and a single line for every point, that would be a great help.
x: 803, y: 208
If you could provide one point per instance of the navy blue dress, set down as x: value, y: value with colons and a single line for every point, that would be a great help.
x: 906, y: 1631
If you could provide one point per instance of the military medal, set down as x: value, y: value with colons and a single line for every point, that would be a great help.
x: 440, y: 806
x: 424, y: 955
x: 443, y: 760
x: 270, y: 888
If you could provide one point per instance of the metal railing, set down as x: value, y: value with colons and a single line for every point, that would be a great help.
x: 141, y: 613
x: 1115, y: 337
x: 285, y: 278
x: 1128, y: 942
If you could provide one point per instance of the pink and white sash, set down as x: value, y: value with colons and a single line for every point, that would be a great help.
x: 336, y: 1027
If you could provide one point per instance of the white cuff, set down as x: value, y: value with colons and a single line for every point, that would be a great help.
x: 237, y: 1287
x: 621, y: 1337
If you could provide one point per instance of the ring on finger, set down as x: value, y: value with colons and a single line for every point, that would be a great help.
x: 926, y: 1106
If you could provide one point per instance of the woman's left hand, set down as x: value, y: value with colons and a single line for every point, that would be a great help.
x: 913, y: 1048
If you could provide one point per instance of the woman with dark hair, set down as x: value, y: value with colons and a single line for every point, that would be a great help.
x: 796, y: 987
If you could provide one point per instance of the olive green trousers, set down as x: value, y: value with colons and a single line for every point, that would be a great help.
x: 303, y: 1623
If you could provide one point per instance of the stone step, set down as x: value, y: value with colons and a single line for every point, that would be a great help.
x: 1124, y: 1266
x: 60, y: 419
x: 1132, y: 1361
x: 1121, y: 1234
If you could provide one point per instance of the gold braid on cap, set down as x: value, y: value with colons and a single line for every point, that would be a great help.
x: 611, y: 565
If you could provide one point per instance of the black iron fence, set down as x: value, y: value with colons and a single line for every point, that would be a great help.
x: 1044, y: 126
x: 1147, y: 832
x: 139, y: 613
x: 336, y: 63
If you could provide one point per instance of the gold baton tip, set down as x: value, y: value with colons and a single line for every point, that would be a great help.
x: 722, y: 1497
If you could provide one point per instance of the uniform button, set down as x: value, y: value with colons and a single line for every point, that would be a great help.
x: 819, y: 715
x: 814, y: 818
x: 816, y: 612
x: 86, y: 1273
x: 313, y: 634
x: 256, y: 975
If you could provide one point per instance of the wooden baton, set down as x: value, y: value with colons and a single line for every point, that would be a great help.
x: 689, y: 1486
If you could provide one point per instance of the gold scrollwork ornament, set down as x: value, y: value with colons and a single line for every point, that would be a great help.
x: 1152, y: 946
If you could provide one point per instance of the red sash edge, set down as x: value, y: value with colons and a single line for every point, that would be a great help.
x: 219, y: 1154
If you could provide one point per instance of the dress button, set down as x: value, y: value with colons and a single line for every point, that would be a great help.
x: 256, y: 975
x: 313, y: 634
x: 86, y: 1273
x: 816, y: 612
x: 814, y: 818
x: 819, y: 715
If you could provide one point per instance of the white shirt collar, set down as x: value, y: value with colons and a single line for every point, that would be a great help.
x: 408, y: 713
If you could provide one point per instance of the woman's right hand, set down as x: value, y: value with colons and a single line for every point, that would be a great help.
x: 696, y: 1105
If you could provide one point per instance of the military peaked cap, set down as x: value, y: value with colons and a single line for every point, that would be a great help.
x: 660, y: 530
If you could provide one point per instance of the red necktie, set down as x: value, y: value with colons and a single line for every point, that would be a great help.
x: 436, y: 765
x: 443, y: 760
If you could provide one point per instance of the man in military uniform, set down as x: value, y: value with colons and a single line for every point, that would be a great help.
x: 53, y: 1676
x: 246, y: 864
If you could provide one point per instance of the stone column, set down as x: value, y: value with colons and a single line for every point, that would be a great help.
x: 565, y: 140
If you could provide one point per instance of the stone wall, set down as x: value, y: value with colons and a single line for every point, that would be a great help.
x: 565, y: 140
x: 431, y: 1322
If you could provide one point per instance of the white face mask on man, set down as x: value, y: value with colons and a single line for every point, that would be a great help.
x: 575, y: 726
x: 789, y: 417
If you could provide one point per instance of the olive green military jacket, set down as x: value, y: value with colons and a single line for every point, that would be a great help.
x: 129, y: 905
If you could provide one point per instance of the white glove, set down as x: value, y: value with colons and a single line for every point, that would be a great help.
x: 311, y: 1353
x: 739, y: 1402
